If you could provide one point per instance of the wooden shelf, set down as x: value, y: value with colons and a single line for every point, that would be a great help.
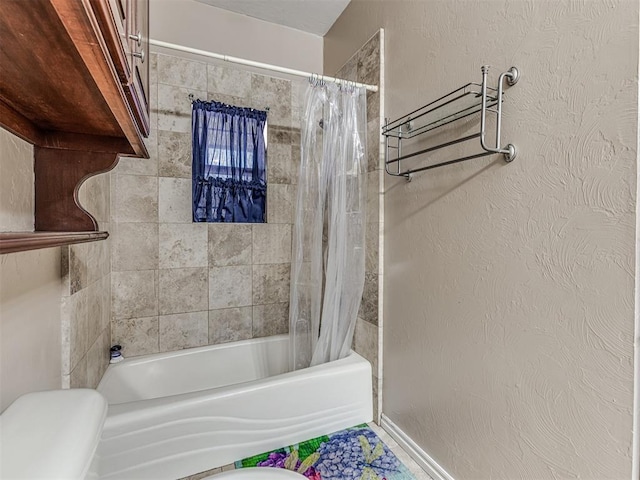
x: 61, y: 90
x: 21, y: 241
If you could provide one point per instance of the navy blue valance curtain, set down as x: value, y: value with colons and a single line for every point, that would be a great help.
x: 229, y: 183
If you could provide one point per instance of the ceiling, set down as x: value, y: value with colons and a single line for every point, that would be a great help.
x: 312, y: 16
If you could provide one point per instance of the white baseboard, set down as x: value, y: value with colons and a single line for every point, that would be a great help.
x: 421, y: 457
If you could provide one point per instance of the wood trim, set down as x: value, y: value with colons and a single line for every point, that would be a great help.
x: 23, y: 241
x: 107, y: 22
x: 18, y: 124
x: 93, y: 143
x: 58, y: 176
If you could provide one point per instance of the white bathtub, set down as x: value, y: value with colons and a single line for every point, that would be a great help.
x: 179, y: 413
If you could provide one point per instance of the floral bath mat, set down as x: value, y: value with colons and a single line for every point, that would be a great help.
x: 352, y: 454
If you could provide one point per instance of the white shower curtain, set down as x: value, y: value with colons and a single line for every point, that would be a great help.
x: 327, y: 268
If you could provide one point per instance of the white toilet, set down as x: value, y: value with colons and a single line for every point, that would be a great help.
x: 55, y: 434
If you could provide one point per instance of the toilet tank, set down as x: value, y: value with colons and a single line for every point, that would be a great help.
x: 52, y: 434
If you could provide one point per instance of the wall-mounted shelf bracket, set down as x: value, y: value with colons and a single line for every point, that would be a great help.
x: 463, y: 102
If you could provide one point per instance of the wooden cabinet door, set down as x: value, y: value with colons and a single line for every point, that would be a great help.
x: 138, y: 85
x: 113, y: 18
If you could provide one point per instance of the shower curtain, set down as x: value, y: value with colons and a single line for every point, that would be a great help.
x: 328, y: 259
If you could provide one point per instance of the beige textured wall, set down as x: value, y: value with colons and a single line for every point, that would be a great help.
x: 197, y: 25
x: 30, y: 346
x: 16, y: 177
x: 509, y: 289
x: 29, y: 286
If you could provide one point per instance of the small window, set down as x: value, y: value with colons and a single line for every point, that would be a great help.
x: 229, y: 163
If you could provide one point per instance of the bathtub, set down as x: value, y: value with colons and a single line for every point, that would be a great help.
x: 175, y: 414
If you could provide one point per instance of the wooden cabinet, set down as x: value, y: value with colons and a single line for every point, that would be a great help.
x: 126, y: 27
x: 73, y: 83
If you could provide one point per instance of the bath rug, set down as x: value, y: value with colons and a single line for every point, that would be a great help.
x: 355, y: 453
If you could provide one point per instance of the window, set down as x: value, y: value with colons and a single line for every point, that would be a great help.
x: 229, y: 163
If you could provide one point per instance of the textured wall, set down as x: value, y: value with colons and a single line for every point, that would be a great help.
x: 30, y: 345
x: 16, y: 192
x: 178, y: 284
x: 196, y: 25
x: 509, y: 288
x: 55, y: 302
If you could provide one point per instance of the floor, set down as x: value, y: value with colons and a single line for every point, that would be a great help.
x: 403, y: 456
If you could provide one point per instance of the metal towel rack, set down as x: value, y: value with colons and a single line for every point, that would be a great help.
x: 460, y: 103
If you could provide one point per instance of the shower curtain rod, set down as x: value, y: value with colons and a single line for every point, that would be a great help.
x: 251, y: 63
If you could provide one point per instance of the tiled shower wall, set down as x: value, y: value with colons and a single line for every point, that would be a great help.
x: 178, y: 284
x: 365, y: 66
x: 86, y: 296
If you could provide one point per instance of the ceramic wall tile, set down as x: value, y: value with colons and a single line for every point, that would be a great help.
x: 137, y: 336
x: 373, y: 196
x: 183, y: 330
x: 375, y: 391
x: 271, y: 243
x: 271, y: 319
x: 78, y: 377
x: 136, y: 198
x: 229, y: 99
x: 79, y: 328
x: 369, y: 306
x: 373, y: 105
x: 374, y: 139
x: 298, y: 89
x: 271, y: 283
x: 182, y: 72
x: 105, y: 298
x: 174, y: 200
x: 78, y: 275
x: 183, y: 245
x: 94, y: 312
x: 372, y: 251
x: 230, y: 287
x: 140, y: 166
x: 296, y: 155
x: 183, y: 290
x: 98, y: 358
x: 349, y: 70
x: 174, y: 107
x: 134, y: 294
x: 280, y: 203
x: 274, y: 93
x: 230, y: 244
x: 282, y: 135
x: 135, y: 247
x: 99, y: 260
x: 65, y: 274
x: 153, y: 68
x: 94, y: 196
x: 366, y: 338
x: 229, y: 81
x: 280, y: 164
x: 369, y: 61
x: 230, y: 325
x: 174, y: 154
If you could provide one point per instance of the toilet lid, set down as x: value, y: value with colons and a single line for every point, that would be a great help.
x: 264, y: 473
